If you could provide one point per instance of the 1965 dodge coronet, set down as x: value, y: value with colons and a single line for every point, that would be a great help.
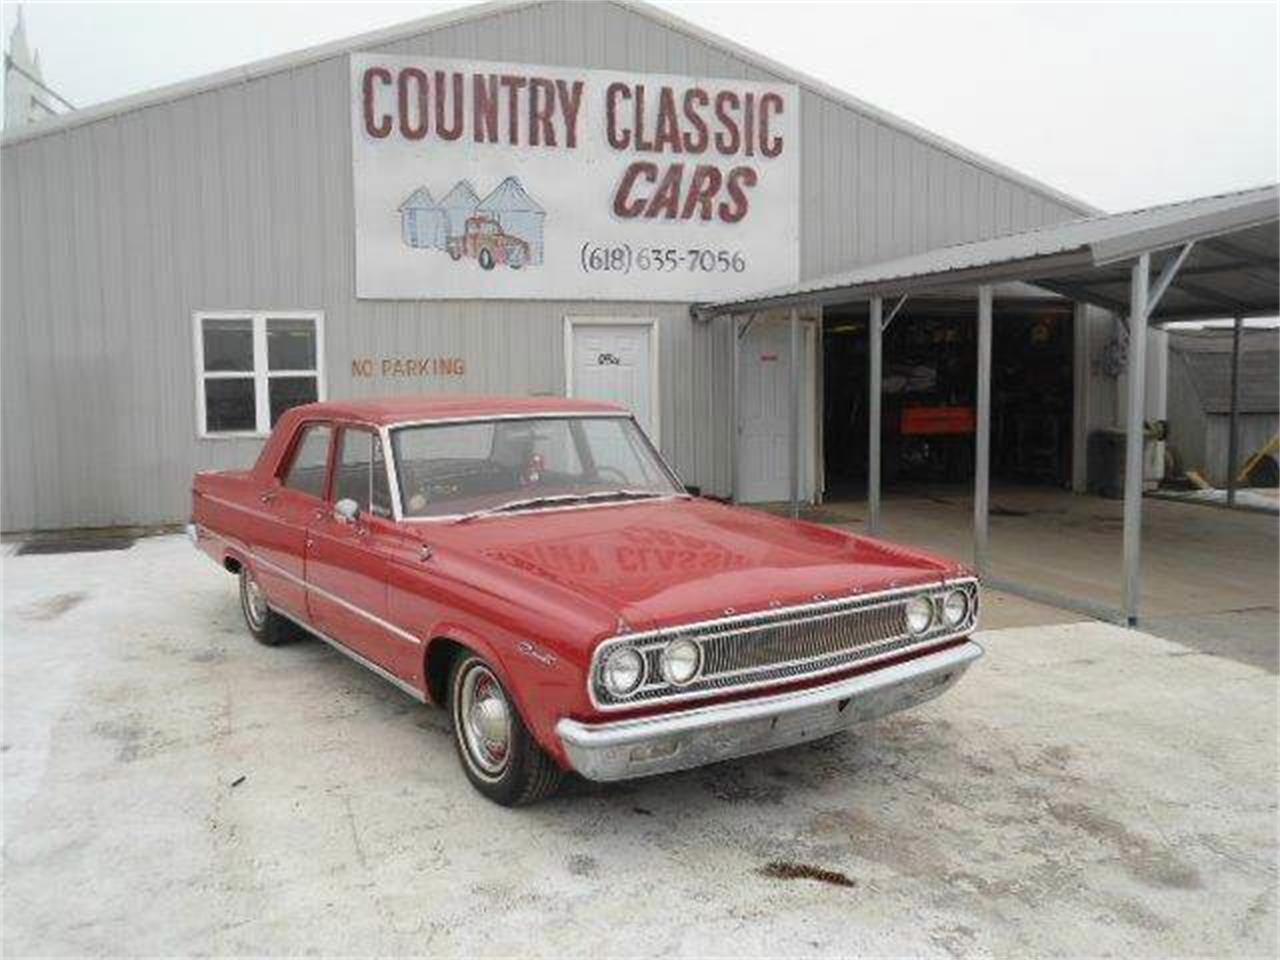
x: 534, y: 566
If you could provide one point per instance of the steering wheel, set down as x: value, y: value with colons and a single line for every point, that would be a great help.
x: 614, y: 472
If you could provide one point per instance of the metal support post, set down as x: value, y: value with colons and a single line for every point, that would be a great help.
x: 1139, y: 286
x: 982, y: 439
x: 1233, y: 424
x: 875, y: 318
x: 795, y: 413
x: 735, y: 403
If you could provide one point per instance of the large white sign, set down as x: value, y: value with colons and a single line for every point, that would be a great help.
x: 515, y: 181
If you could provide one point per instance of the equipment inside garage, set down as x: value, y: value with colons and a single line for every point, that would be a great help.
x: 930, y: 365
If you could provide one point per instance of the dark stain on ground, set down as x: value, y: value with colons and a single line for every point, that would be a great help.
x: 1144, y: 859
x: 51, y: 608
x: 789, y: 870
x: 581, y: 865
x: 643, y: 811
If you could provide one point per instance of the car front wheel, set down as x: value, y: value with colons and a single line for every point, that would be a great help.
x: 499, y: 755
x: 265, y: 625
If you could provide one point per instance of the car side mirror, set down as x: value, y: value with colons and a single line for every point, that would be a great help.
x: 346, y: 510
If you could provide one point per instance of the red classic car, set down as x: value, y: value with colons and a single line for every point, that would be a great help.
x: 534, y: 566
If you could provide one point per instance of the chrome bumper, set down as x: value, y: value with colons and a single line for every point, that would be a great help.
x: 691, y: 738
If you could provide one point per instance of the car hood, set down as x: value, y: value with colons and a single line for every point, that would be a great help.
x: 662, y: 563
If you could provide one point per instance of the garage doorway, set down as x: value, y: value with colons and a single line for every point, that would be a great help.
x: 764, y: 411
x: 615, y: 360
x: 929, y: 399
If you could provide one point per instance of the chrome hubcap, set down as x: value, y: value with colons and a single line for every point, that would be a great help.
x: 485, y: 718
x: 255, y: 601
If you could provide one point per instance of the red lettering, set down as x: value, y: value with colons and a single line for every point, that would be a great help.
x: 728, y: 139
x: 443, y: 131
x: 738, y: 178
x: 513, y: 86
x: 570, y: 103
x: 666, y: 199
x: 668, y: 134
x: 702, y: 191
x: 484, y: 110
x: 381, y: 126
x: 542, y: 101
x: 618, y: 139
x: 770, y: 147
x: 407, y: 129
x: 698, y: 143
x: 749, y: 124
x: 642, y: 144
x: 623, y: 206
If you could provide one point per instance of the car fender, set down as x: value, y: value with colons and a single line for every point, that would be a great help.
x: 523, y: 675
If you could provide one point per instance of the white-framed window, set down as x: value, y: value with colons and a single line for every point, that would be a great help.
x: 252, y: 366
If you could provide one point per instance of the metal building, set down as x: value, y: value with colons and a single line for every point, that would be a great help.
x: 181, y: 265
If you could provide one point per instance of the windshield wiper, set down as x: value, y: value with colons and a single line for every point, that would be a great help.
x: 563, y: 498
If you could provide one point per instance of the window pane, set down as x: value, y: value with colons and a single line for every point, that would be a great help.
x: 306, y: 473
x: 353, y: 477
x: 286, y: 392
x: 291, y: 345
x: 381, y: 504
x: 229, y: 405
x: 228, y: 345
x: 457, y: 468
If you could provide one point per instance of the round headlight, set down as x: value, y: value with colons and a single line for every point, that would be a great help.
x: 955, y: 608
x: 681, y: 661
x: 622, y: 672
x: 919, y: 614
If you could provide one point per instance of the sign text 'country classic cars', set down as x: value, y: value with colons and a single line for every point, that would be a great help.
x: 513, y: 181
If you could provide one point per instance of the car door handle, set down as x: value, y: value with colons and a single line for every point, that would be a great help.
x: 267, y: 497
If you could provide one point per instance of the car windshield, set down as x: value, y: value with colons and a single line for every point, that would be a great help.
x: 494, y: 465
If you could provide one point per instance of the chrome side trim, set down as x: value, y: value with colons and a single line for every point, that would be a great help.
x: 363, y: 661
x: 311, y: 588
x: 646, y: 639
x: 624, y: 749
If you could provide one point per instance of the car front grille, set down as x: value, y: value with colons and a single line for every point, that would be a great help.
x: 740, y: 652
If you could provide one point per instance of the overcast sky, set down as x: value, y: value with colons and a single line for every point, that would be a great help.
x: 1122, y: 105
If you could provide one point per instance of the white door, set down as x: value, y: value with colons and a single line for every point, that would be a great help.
x: 764, y: 440
x: 615, y: 362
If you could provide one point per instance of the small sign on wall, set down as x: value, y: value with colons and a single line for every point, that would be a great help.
x: 404, y: 367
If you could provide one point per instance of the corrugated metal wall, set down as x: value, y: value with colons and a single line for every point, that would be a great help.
x: 115, y: 231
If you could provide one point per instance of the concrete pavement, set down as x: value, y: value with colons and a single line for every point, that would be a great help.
x: 170, y: 787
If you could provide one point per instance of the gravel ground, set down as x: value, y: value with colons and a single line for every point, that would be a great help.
x: 172, y: 788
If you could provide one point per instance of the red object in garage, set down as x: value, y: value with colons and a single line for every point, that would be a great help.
x: 938, y: 421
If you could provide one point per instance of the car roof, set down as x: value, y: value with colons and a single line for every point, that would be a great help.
x: 388, y: 411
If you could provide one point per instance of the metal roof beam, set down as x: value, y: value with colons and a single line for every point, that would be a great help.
x: 1166, y: 276
x: 1084, y: 295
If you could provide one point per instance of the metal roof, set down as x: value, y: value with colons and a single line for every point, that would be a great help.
x: 376, y: 39
x: 1231, y: 271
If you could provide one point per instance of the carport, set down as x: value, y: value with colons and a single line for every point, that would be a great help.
x: 1209, y: 258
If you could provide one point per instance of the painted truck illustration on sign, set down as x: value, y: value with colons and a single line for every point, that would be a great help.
x: 504, y: 228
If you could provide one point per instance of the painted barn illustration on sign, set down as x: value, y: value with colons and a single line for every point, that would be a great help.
x: 459, y: 203
x: 428, y: 224
x: 517, y: 213
x: 422, y: 221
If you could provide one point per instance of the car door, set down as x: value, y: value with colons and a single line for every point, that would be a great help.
x: 288, y: 508
x: 347, y: 559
